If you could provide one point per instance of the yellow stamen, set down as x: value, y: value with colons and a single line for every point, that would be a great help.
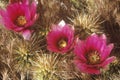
x: 93, y: 57
x: 21, y: 21
x: 62, y: 43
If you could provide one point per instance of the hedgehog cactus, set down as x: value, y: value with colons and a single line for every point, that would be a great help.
x: 45, y: 67
x: 70, y: 40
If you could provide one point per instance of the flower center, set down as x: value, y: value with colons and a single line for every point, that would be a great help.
x: 93, y: 57
x: 21, y: 21
x: 62, y: 43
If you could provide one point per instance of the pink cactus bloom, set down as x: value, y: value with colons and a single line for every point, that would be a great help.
x: 19, y: 17
x: 93, y: 54
x: 60, y: 38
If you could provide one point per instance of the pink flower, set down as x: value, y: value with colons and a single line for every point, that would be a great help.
x: 19, y: 17
x: 93, y: 54
x: 60, y: 38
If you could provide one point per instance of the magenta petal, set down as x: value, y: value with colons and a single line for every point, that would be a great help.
x: 18, y: 29
x: 25, y: 2
x: 5, y: 20
x: 91, y: 41
x: 108, y: 61
x: 52, y: 39
x: 94, y: 42
x: 79, y: 50
x: 26, y: 34
x: 14, y: 10
x: 106, y: 51
x: 32, y: 21
x: 2, y: 14
x: 27, y: 13
x: 33, y: 8
x: 103, y: 37
x: 84, y: 68
x: 52, y: 48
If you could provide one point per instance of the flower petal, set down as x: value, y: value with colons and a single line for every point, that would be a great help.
x: 108, y: 61
x: 106, y: 52
x: 84, y: 68
x: 103, y: 37
x: 33, y: 8
x: 31, y: 22
x: 62, y: 23
x: 91, y: 41
x: 26, y: 34
x: 94, y: 42
x: 25, y: 2
x: 79, y: 50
